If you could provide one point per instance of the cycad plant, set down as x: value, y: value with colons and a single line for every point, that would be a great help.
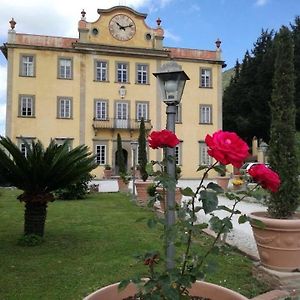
x: 40, y: 173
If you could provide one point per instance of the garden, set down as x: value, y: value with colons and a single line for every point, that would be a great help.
x: 91, y: 243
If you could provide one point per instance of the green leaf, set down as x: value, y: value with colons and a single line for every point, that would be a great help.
x: 187, y: 192
x: 123, y: 284
x: 149, y: 168
x: 215, y: 187
x: 202, y: 167
x: 243, y: 219
x: 209, y: 200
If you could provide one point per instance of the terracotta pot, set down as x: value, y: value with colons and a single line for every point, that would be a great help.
x: 278, y: 243
x: 107, y: 174
x: 163, y: 193
x: 223, y: 182
x: 123, y: 187
x: 141, y: 191
x: 199, y: 288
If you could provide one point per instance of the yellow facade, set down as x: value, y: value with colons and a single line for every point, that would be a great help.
x: 85, y: 110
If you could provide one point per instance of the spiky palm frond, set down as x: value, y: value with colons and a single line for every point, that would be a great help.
x: 43, y: 170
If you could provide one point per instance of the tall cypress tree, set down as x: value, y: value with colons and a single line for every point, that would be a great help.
x: 142, y: 150
x: 282, y: 155
x: 120, y: 156
x: 296, y: 36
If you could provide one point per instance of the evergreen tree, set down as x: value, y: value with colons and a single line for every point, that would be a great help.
x: 120, y: 156
x: 296, y: 36
x: 282, y: 155
x: 142, y: 150
x: 246, y: 99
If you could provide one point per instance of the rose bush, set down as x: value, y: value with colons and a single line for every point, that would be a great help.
x: 173, y: 282
x: 267, y: 178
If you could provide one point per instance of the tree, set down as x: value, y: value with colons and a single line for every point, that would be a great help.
x: 120, y: 156
x: 246, y: 99
x: 282, y: 154
x: 296, y: 36
x: 142, y: 151
x: 40, y: 173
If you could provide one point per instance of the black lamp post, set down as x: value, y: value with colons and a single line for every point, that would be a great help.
x: 171, y: 80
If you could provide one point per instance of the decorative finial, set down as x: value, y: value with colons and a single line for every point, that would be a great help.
x: 83, y: 13
x: 158, y: 21
x: 218, y: 43
x: 12, y: 23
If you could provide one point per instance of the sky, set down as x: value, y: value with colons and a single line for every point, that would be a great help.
x: 192, y: 24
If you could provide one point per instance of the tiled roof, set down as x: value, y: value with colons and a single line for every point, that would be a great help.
x: 192, y: 53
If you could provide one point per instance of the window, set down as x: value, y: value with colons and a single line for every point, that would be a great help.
x: 64, y: 109
x: 101, y: 70
x: 205, y: 159
x: 101, y: 110
x: 61, y: 141
x: 27, y: 66
x: 178, y: 114
x: 142, y: 111
x: 23, y: 144
x: 26, y: 106
x: 142, y: 73
x: 65, y: 68
x: 205, y: 114
x: 101, y: 154
x: 205, y: 78
x: 122, y: 72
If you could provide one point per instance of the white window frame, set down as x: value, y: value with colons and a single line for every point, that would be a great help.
x: 101, y: 70
x: 205, y: 114
x: 205, y: 77
x: 27, y: 65
x: 122, y: 72
x: 101, y: 154
x: 26, y: 104
x: 61, y: 141
x: 204, y: 158
x: 142, y: 71
x: 142, y: 111
x: 101, y: 109
x: 65, y: 68
x: 64, y: 108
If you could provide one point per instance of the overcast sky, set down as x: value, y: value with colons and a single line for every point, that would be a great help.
x: 187, y: 23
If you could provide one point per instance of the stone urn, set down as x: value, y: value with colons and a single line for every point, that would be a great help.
x: 163, y: 193
x: 142, y: 191
x: 223, y: 181
x: 278, y: 242
x: 199, y: 288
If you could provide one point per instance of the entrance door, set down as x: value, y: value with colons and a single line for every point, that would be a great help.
x: 121, y: 115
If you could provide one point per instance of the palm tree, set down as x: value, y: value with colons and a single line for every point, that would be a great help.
x: 41, y: 172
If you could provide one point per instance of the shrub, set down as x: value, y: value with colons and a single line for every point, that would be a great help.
x: 75, y: 191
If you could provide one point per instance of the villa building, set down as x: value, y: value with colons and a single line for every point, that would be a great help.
x: 86, y: 90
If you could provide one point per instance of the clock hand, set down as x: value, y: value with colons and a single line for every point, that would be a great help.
x: 120, y: 26
x: 130, y: 25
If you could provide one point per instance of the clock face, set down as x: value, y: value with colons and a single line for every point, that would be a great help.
x: 122, y: 27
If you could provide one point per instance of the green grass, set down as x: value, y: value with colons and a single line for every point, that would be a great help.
x: 89, y: 244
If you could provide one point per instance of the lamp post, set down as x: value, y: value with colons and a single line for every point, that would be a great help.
x: 171, y: 80
x: 134, y: 145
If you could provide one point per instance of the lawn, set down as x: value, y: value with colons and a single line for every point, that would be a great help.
x: 88, y: 244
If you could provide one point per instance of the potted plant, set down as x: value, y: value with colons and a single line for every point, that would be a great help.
x: 278, y: 239
x: 222, y: 179
x: 107, y: 171
x: 178, y: 279
x: 142, y: 185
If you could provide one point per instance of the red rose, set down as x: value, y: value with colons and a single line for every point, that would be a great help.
x: 267, y: 178
x: 227, y: 148
x: 163, y: 138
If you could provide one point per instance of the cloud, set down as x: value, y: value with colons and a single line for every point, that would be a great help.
x: 2, y: 118
x: 261, y: 2
x: 172, y: 36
